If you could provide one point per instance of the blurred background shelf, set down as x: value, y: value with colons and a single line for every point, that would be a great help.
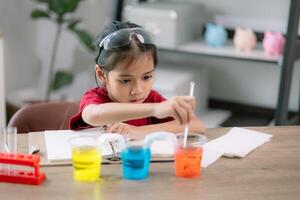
x: 289, y: 27
x: 228, y: 51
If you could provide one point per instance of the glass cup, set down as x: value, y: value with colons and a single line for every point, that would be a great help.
x: 188, y: 159
x: 135, y: 162
x: 86, y: 158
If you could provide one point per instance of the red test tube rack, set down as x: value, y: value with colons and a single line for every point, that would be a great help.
x: 20, y: 176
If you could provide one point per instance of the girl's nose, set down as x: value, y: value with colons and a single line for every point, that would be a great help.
x: 137, y: 89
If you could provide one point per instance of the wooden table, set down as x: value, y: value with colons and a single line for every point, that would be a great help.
x: 270, y: 172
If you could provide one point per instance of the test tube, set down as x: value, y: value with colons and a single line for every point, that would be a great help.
x: 9, y: 143
x: 3, y: 146
x: 2, y: 140
x: 12, y: 143
x: 12, y: 139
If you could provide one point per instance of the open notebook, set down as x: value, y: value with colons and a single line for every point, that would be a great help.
x: 58, y: 147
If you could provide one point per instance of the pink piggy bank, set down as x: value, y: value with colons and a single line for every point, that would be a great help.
x: 244, y: 39
x: 273, y: 43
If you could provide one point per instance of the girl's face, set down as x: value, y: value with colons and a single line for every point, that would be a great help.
x: 131, y: 83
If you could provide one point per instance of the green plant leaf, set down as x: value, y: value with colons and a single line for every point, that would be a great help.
x: 85, y: 38
x: 57, y: 6
x: 61, y: 79
x: 35, y: 14
x: 71, y: 5
x: 72, y: 23
x: 61, y: 7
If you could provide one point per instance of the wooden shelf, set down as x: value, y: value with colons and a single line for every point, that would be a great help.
x: 229, y: 51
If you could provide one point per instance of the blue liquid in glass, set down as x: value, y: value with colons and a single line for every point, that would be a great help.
x: 135, y: 162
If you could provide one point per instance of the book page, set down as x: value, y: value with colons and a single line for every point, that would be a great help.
x: 58, y: 146
x: 238, y: 142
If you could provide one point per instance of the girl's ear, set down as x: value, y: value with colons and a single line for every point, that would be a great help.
x: 100, y: 75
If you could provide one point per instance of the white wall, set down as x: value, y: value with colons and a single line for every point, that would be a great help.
x: 21, y: 64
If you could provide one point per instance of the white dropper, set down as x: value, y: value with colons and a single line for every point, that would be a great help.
x: 186, y: 128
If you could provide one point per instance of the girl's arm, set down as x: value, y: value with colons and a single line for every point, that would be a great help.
x: 109, y: 113
x: 181, y: 108
x: 140, y: 132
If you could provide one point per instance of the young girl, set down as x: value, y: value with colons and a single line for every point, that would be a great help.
x: 126, y: 104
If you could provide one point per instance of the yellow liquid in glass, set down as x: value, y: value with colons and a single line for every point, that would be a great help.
x: 86, y: 163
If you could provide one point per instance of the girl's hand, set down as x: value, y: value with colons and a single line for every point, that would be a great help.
x: 181, y: 108
x: 128, y: 131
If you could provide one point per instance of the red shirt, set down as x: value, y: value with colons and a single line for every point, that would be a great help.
x: 99, y: 95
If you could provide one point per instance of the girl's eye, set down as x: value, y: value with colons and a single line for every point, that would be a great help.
x: 124, y: 81
x: 148, y: 77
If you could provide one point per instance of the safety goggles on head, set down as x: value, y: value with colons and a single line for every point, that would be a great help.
x: 123, y: 38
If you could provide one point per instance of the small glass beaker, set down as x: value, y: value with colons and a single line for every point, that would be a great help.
x: 188, y: 161
x: 86, y: 158
x: 188, y: 158
x: 135, y: 162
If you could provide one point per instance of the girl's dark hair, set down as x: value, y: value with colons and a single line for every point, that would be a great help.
x: 107, y: 59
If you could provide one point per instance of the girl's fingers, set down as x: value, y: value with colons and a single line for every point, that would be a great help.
x: 188, y: 108
x: 117, y: 128
x: 113, y: 128
x: 120, y: 129
x: 176, y: 116
x: 109, y: 128
x: 190, y: 100
x: 193, y: 103
x: 181, y: 112
x: 193, y: 116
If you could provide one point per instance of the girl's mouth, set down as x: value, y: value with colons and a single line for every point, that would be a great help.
x: 137, y: 100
